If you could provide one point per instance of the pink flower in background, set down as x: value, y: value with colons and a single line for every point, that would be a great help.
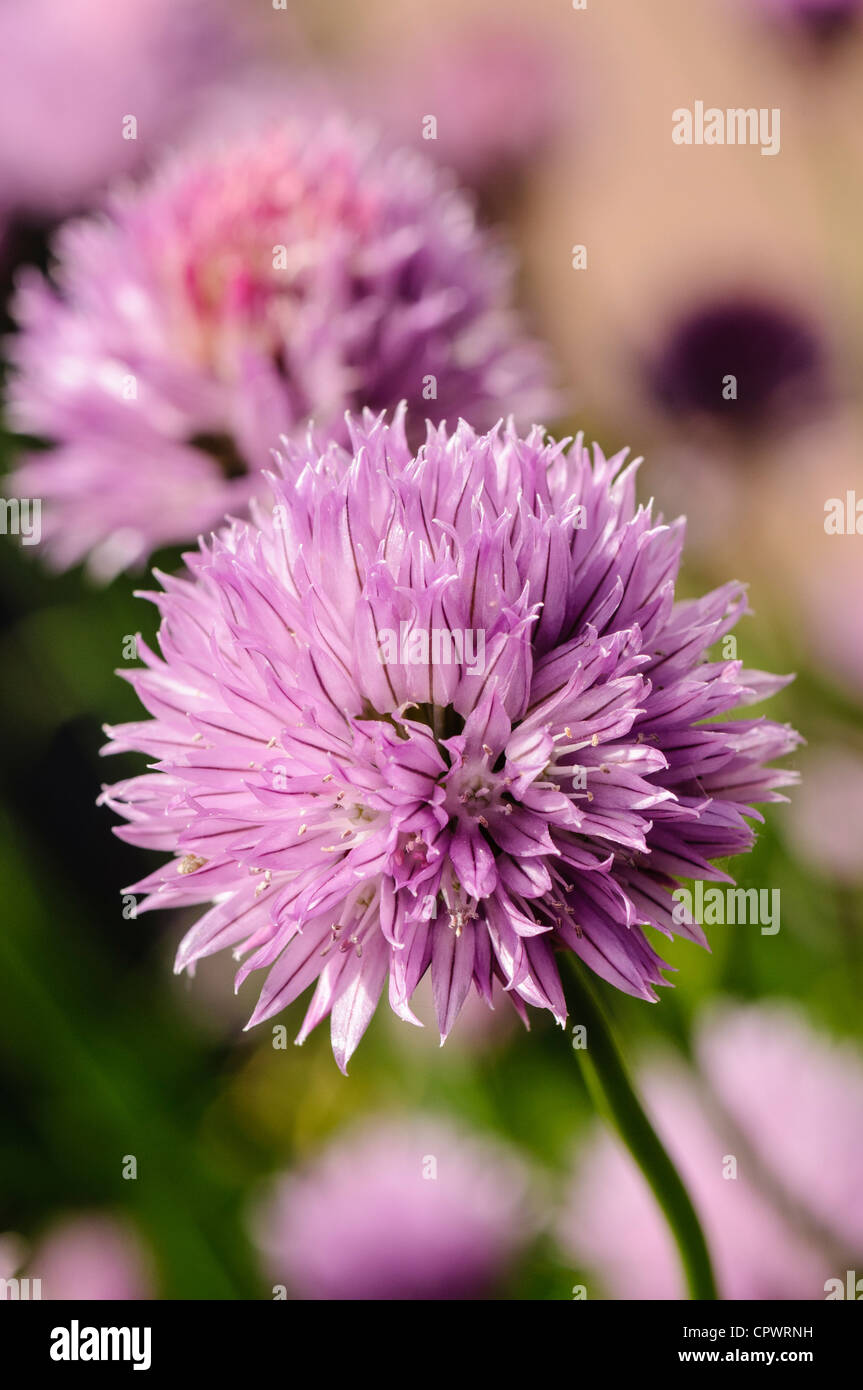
x: 71, y: 74
x: 790, y: 1113
x: 825, y: 822
x: 772, y: 351
x: 91, y: 1257
x: 824, y: 22
x: 400, y: 1209
x: 248, y: 288
x: 441, y: 712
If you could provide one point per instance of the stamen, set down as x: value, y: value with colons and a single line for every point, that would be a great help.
x: 189, y: 863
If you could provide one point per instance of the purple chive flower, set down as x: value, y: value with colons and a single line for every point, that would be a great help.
x: 441, y: 712
x: 71, y: 74
x: 404, y: 1209
x: 774, y: 353
x: 824, y: 22
x: 786, y: 1105
x: 91, y: 1256
x: 288, y: 276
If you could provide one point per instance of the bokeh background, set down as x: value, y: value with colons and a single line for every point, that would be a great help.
x: 699, y: 261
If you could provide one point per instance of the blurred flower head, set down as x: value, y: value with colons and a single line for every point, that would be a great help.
x: 740, y: 360
x: 824, y: 22
x: 400, y: 1209
x: 91, y: 1257
x: 441, y: 711
x: 768, y: 1140
x: 286, y: 276
x: 73, y: 78
x: 825, y: 821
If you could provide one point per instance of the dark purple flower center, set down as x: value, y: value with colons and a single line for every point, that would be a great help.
x: 773, y: 356
x: 827, y: 24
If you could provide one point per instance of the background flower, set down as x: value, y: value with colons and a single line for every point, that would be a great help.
x: 824, y: 22
x: 773, y: 354
x: 91, y: 1257
x: 246, y: 289
x: 411, y: 1208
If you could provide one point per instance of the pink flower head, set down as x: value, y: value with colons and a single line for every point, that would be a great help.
x: 823, y: 22
x: 91, y: 1257
x: 403, y: 1209
x: 441, y: 711
x: 768, y: 1141
x: 244, y: 291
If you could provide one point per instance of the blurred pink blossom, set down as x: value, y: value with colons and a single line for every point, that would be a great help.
x: 91, y: 1257
x: 401, y: 1209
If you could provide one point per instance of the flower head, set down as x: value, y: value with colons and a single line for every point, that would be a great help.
x: 91, y: 1256
x: 774, y: 355
x: 245, y: 290
x: 407, y: 1209
x: 773, y: 1097
x: 823, y: 22
x: 441, y: 711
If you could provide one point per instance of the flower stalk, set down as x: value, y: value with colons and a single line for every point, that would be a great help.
x: 615, y: 1098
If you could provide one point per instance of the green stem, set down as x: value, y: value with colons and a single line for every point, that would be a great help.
x: 614, y: 1096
